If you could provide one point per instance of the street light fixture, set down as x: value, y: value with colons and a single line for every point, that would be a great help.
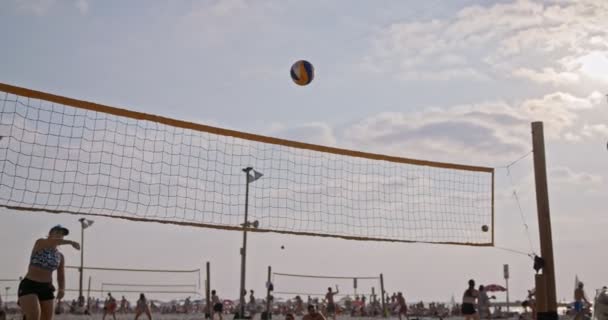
x: 84, y: 223
x: 250, y: 176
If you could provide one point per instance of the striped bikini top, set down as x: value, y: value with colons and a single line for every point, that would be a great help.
x: 47, y: 259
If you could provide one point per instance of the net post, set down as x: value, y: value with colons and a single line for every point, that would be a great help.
x: 268, y: 287
x: 541, y: 294
x: 382, y: 292
x: 374, y: 300
x: 547, y: 293
x: 208, y: 291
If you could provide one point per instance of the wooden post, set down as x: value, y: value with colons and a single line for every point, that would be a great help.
x: 208, y: 291
x: 382, y: 292
x: 547, y: 293
x: 540, y: 294
x: 268, y: 303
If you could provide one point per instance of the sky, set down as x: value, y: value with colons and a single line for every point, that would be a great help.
x: 456, y: 81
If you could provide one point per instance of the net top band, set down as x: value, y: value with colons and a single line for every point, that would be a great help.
x: 34, y: 94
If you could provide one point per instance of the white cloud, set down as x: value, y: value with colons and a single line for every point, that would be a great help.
x: 594, y: 130
x: 485, y: 132
x: 542, y: 42
x: 315, y: 132
x: 559, y: 110
x: 572, y: 137
x: 547, y: 75
x: 490, y: 133
x: 223, y: 21
x: 595, y: 65
x: 43, y: 7
x: 566, y: 175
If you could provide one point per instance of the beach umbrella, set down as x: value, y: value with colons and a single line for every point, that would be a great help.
x: 495, y: 288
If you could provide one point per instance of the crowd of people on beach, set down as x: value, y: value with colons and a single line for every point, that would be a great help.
x: 37, y: 296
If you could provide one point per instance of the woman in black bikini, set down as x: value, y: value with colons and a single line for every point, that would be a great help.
x: 36, y: 291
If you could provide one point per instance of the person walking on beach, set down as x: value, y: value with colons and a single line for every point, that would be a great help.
x: 580, y: 300
x: 401, y: 306
x: 36, y: 291
x: 469, y: 299
x: 218, y: 306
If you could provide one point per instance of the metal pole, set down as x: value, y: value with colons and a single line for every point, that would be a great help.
x: 507, y: 280
x: 244, y: 248
x: 382, y: 292
x: 88, y: 293
x: 374, y: 300
x: 268, y: 305
x: 81, y: 256
x: 544, y: 224
x: 208, y: 290
x: 506, y: 276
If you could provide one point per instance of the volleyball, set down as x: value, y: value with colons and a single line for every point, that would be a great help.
x: 302, y: 72
x: 484, y: 228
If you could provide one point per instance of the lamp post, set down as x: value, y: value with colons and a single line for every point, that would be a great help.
x: 250, y: 176
x: 84, y: 223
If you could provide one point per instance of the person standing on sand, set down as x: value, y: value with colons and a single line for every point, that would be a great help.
x: 109, y: 307
x: 218, y: 306
x: 2, y: 312
x: 299, y: 305
x: 469, y: 299
x: 142, y: 307
x: 331, y: 305
x: 36, y: 292
x: 313, y: 314
x: 402, y: 306
x: 580, y: 300
x: 123, y: 305
x: 484, y: 303
x: 252, y: 305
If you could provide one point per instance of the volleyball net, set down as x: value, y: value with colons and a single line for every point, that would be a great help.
x: 130, y: 282
x: 290, y: 285
x: 62, y: 155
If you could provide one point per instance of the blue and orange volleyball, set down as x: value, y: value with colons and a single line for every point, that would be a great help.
x: 302, y: 72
